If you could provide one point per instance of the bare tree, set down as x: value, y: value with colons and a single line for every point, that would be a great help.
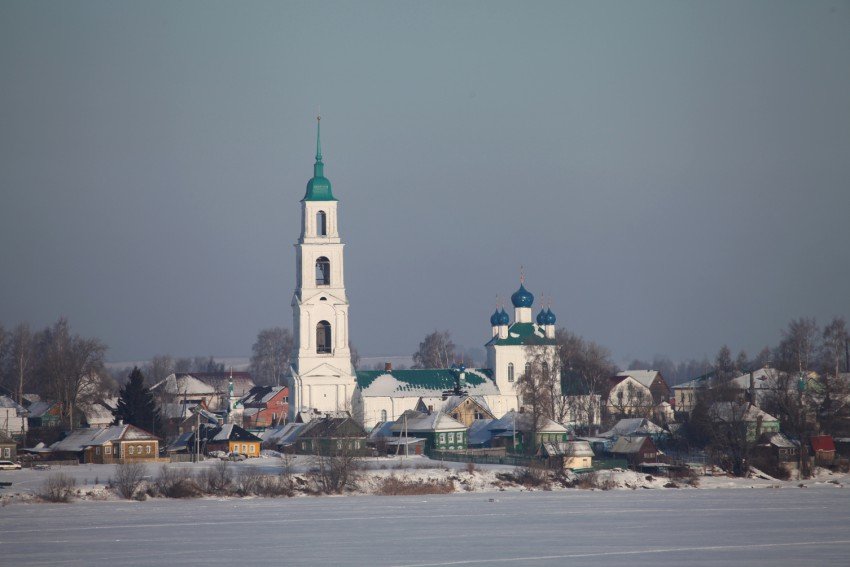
x: 436, y: 351
x: 724, y: 367
x: 128, y: 477
x: 355, y: 356
x: 833, y: 392
x: 21, y: 356
x: 69, y: 363
x: 539, y: 388
x: 799, y: 346
x: 585, y: 370
x: 159, y: 368
x: 335, y: 465
x: 270, y: 355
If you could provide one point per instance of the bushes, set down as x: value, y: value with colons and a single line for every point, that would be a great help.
x: 176, y: 483
x: 58, y: 487
x: 394, y: 486
x: 128, y: 477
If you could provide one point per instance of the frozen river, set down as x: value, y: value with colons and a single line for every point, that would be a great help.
x: 789, y: 526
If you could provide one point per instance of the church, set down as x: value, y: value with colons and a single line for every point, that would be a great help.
x: 322, y: 378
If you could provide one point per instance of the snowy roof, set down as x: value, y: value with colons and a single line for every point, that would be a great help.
x: 523, y: 422
x: 98, y: 414
x: 261, y: 395
x: 381, y: 429
x: 181, y: 442
x: 79, y: 439
x: 282, y: 435
x: 424, y: 382
x: 220, y: 381
x: 38, y: 409
x: 633, y: 426
x: 643, y: 377
x: 183, y: 384
x: 479, y: 432
x: 230, y: 432
x: 570, y: 449
x: 779, y: 440
x: 437, y: 421
x: 402, y: 441
x: 7, y: 402
x: 734, y: 411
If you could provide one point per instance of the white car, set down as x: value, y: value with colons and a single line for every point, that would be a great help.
x: 9, y: 466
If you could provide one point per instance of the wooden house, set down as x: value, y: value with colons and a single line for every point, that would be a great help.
x: 265, y: 406
x: 228, y: 438
x: 462, y: 408
x: 440, y: 431
x: 331, y: 435
x: 574, y: 455
x: 116, y: 443
x: 8, y: 448
x: 635, y: 450
x: 514, y: 429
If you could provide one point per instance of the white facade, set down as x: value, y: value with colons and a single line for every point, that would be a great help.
x: 321, y: 375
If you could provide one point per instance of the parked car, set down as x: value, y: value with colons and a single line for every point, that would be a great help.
x: 9, y: 466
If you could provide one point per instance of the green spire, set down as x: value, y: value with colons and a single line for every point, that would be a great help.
x: 319, y: 188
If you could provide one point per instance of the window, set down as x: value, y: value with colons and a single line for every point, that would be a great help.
x: 323, y: 337
x: 286, y: 399
x: 7, y: 453
x: 131, y: 449
x: 383, y: 415
x: 451, y: 437
x: 139, y: 449
x: 323, y: 271
x: 442, y: 438
x: 148, y: 449
x: 251, y: 448
x: 510, y: 372
x: 527, y: 368
x: 108, y: 450
x: 460, y: 436
x: 97, y: 450
x: 321, y: 223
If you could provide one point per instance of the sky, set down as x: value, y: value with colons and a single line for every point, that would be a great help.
x: 675, y: 176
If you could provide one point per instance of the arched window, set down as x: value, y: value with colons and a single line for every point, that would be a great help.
x: 510, y: 372
x: 527, y: 368
x: 383, y: 415
x: 321, y: 223
x: 546, y: 369
x: 323, y: 337
x: 323, y: 271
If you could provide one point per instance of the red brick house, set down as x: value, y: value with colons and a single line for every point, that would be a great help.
x: 265, y: 406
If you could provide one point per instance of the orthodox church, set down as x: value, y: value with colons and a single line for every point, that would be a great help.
x: 322, y: 378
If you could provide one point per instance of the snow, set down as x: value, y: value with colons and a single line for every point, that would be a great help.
x: 634, y: 527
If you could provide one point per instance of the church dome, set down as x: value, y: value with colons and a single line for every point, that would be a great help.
x: 504, y: 318
x: 494, y: 318
x: 542, y: 317
x: 522, y: 297
x: 550, y: 317
x: 319, y: 189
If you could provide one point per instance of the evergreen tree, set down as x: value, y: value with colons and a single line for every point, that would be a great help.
x: 137, y: 406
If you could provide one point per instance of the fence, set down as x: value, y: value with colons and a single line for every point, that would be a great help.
x: 63, y: 463
x: 483, y: 458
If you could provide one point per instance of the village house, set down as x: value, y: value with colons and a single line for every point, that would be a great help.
x: 228, y: 438
x: 513, y: 431
x: 636, y: 450
x: 331, y: 435
x: 745, y: 416
x: 777, y: 448
x: 573, y: 455
x: 44, y: 414
x: 116, y: 443
x: 13, y: 418
x: 264, y: 406
x: 8, y: 448
x: 462, y: 408
x: 633, y: 427
x: 441, y: 432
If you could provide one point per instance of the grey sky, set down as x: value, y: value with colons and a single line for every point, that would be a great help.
x: 676, y: 175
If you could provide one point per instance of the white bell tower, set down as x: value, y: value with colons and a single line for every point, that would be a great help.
x: 321, y: 377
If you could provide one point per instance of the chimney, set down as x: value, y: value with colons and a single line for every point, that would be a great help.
x: 752, y: 391
x: 120, y: 422
x: 388, y: 367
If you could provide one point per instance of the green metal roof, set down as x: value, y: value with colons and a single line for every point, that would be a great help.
x: 319, y: 188
x: 435, y: 379
x: 527, y: 334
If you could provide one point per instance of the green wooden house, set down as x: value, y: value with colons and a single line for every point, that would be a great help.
x: 440, y: 431
x: 331, y: 435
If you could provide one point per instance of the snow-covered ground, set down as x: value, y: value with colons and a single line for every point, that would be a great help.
x: 577, y: 527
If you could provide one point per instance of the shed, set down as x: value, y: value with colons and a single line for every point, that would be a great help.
x: 8, y: 448
x: 635, y: 450
x: 823, y: 448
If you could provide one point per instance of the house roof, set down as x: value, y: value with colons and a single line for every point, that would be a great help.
x: 229, y: 432
x: 735, y: 411
x: 629, y: 445
x: 822, y: 443
x: 38, y: 409
x: 633, y: 426
x: 698, y: 382
x: 7, y: 402
x: 569, y: 448
x: 183, y: 384
x: 220, y: 381
x: 479, y: 432
x: 425, y: 422
x: 643, y: 377
x: 525, y: 334
x: 79, y: 439
x: 382, y: 429
x: 98, y: 413
x: 423, y: 382
x: 261, y: 395
x: 282, y: 435
x: 330, y: 427
x: 523, y: 422
x: 779, y: 440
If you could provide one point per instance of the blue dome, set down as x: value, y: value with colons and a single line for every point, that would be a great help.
x: 550, y: 317
x: 522, y: 297
x: 494, y: 318
x: 504, y: 318
x: 542, y: 317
